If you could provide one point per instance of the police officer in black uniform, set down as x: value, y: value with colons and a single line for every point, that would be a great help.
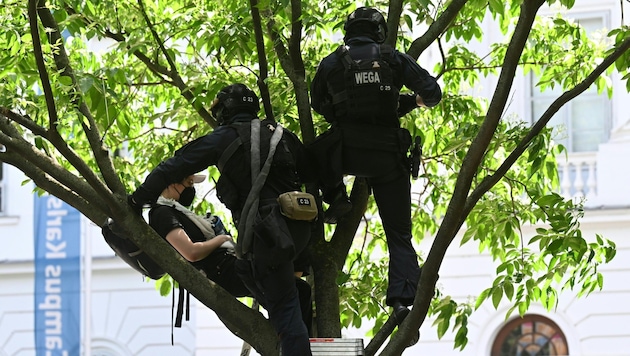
x: 273, y: 284
x: 357, y: 90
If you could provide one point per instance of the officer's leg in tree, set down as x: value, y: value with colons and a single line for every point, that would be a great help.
x: 306, y: 303
x: 302, y: 265
x: 392, y: 196
x: 283, y: 305
x: 326, y: 152
x: 339, y: 202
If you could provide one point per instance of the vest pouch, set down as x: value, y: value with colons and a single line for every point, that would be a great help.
x: 298, y: 206
x: 326, y: 151
x: 273, y: 242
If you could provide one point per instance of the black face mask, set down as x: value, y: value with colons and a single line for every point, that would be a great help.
x: 187, y: 196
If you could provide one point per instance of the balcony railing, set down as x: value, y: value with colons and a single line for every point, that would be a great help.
x: 578, y: 178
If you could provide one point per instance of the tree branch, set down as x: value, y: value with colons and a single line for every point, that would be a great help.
x: 159, y: 70
x: 381, y: 336
x: 295, y: 71
x: 41, y: 168
x: 242, y: 321
x: 173, y: 72
x: 436, y: 28
x: 41, y: 65
x: 262, y: 59
x: 43, y: 180
x: 101, y: 154
x: 489, y: 181
x: 451, y: 222
x: 393, y: 20
x: 24, y: 121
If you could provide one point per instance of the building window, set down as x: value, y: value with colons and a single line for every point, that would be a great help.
x: 585, y: 122
x: 528, y: 336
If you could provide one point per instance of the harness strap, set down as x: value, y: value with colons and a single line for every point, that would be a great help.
x: 176, y: 316
x: 346, y: 59
x: 180, y: 307
x: 250, y: 208
x: 227, y: 154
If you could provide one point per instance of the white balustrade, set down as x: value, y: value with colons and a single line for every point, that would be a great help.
x: 578, y: 176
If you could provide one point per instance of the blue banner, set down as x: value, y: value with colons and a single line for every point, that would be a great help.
x: 57, y: 277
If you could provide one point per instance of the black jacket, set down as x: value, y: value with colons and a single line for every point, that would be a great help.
x: 407, y: 73
x: 207, y: 150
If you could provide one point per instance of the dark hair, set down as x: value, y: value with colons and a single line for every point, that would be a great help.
x: 234, y: 99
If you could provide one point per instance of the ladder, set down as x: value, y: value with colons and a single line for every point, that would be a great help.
x: 328, y: 346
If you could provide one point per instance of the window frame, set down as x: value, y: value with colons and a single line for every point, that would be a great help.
x: 508, y: 327
x: 566, y: 109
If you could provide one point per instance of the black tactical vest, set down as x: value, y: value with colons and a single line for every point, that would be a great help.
x: 368, y: 93
x: 234, y: 165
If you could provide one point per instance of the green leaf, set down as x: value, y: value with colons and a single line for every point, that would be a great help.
x: 497, y: 293
x: 482, y: 297
x: 443, y: 326
x: 508, y: 288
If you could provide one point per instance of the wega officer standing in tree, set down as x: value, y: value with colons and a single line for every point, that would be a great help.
x: 357, y: 90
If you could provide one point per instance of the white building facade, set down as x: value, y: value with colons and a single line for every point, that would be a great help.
x: 595, y: 130
x: 124, y: 315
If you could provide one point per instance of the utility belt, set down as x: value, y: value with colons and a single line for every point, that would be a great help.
x: 381, y: 138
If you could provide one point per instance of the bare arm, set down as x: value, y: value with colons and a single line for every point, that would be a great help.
x: 419, y: 101
x: 194, y: 251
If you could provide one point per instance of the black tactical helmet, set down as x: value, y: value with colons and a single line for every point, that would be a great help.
x: 234, y: 99
x: 368, y: 15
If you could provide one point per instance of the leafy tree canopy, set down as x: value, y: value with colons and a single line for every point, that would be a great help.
x: 83, y: 81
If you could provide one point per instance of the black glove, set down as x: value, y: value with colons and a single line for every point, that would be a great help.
x: 406, y: 103
x: 137, y: 208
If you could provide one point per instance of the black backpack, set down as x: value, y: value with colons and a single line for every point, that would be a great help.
x: 129, y: 252
x: 141, y: 262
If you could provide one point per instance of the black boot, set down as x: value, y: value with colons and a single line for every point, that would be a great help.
x: 400, y: 313
x: 340, y: 205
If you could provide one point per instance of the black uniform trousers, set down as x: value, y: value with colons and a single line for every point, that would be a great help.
x: 376, y: 153
x: 276, y: 289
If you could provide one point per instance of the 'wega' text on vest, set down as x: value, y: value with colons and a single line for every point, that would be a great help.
x: 370, y: 77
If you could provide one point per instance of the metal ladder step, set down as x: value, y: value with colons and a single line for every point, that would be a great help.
x: 328, y: 346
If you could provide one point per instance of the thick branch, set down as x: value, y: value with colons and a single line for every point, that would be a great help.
x: 294, y: 69
x: 44, y: 181
x: 393, y: 20
x: 295, y: 42
x: 281, y: 51
x: 42, y: 168
x: 244, y: 322
x: 343, y: 237
x: 381, y: 336
x: 450, y: 224
x: 24, y: 121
